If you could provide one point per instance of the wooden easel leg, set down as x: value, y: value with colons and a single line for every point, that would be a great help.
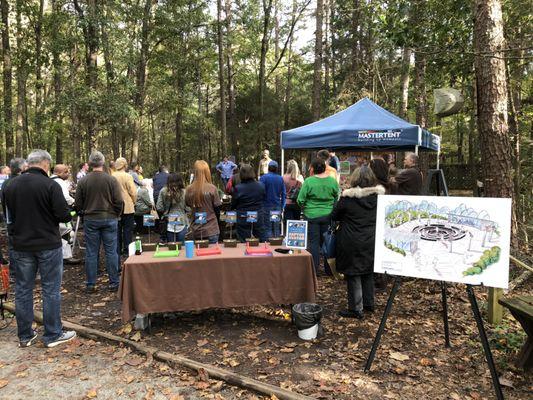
x: 377, y: 339
x: 445, y: 314
x: 484, y: 342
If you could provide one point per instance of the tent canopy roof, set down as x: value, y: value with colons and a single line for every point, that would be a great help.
x: 364, y: 126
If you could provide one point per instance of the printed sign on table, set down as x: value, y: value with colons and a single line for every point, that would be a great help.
x: 175, y: 219
x: 455, y: 239
x: 296, y: 236
x: 231, y: 217
x: 275, y: 216
x: 200, y: 218
x: 251, y: 216
x: 148, y: 220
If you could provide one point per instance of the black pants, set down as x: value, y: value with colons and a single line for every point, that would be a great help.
x: 360, y: 291
x: 125, y: 233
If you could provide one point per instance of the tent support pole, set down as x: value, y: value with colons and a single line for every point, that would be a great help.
x: 438, y: 158
x: 416, y: 149
x: 282, y: 162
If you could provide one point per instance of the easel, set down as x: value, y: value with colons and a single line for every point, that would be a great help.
x: 477, y: 317
x: 441, y: 188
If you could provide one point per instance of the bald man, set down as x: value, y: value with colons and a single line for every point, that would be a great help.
x: 61, y: 175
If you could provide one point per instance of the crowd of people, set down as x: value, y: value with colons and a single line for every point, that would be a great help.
x: 112, y: 200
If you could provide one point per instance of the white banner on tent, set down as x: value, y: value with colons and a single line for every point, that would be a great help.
x: 455, y: 239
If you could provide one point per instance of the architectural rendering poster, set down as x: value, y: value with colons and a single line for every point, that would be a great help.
x: 455, y: 239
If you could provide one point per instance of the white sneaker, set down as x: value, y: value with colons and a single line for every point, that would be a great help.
x: 28, y: 343
x: 66, y: 336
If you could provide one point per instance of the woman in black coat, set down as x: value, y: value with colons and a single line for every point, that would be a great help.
x: 356, y: 213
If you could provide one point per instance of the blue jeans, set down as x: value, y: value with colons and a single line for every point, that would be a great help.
x: 176, y: 236
x: 272, y: 229
x: 213, y: 239
x: 50, y: 266
x: 101, y: 231
x: 317, y: 227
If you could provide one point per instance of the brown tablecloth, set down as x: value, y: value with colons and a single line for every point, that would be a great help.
x: 151, y: 285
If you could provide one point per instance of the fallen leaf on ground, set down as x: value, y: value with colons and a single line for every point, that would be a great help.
x: 134, y: 361
x: 127, y: 329
x: 99, y: 305
x: 506, y: 382
x: 426, y: 362
x: 136, y: 337
x: 203, y: 375
x: 91, y: 394
x: 398, y: 356
x: 286, y: 350
x: 233, y: 362
x: 202, y: 342
x: 3, y: 383
x: 217, y: 387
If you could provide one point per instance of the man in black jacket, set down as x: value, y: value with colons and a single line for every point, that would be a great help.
x: 34, y: 207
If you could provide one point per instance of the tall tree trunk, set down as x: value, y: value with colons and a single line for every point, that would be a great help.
x: 56, y: 63
x: 110, y: 82
x: 140, y: 79
x: 288, y: 86
x: 327, y: 50
x: 404, y: 82
x: 317, y: 76
x: 492, y: 102
x: 90, y: 32
x: 22, y: 76
x: 231, y: 82
x: 39, y: 85
x: 221, y: 80
x: 7, y: 81
x: 267, y: 8
x: 421, y: 103
x: 355, y: 36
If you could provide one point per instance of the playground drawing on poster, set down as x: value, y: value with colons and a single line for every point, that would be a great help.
x: 455, y: 239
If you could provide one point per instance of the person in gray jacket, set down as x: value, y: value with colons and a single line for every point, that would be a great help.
x: 143, y: 204
x: 171, y: 206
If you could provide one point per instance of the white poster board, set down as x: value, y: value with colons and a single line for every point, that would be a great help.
x: 296, y: 234
x: 454, y: 239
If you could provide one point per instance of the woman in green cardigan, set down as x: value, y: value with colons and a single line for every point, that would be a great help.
x: 317, y: 196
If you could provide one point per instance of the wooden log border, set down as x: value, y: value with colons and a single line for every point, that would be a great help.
x: 229, y: 377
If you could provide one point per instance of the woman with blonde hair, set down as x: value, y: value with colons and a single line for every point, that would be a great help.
x: 202, y: 196
x: 293, y: 182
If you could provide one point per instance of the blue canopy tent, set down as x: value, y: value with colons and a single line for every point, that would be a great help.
x: 362, y: 126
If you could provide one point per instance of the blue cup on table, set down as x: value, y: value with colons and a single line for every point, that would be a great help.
x: 189, y: 248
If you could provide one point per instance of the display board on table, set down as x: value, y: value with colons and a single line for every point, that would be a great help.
x: 454, y: 239
x: 296, y: 236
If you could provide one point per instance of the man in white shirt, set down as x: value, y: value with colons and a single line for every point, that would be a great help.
x: 61, y: 175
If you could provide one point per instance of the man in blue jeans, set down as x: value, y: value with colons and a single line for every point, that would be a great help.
x: 99, y: 200
x: 274, y: 199
x: 35, y: 206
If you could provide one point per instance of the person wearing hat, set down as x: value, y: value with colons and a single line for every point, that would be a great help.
x: 274, y: 199
x: 129, y: 196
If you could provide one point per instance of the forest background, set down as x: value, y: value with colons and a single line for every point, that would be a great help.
x: 172, y: 81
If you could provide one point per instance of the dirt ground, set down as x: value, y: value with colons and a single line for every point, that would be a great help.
x: 411, y: 363
x: 86, y: 369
